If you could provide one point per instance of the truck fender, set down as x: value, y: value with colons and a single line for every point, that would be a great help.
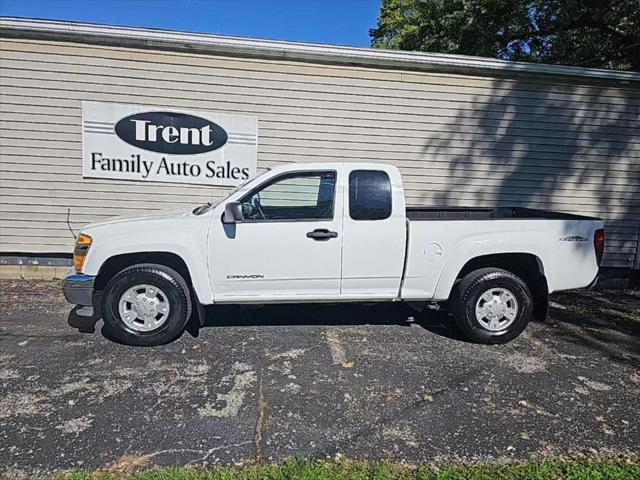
x: 199, y: 274
x: 477, y: 247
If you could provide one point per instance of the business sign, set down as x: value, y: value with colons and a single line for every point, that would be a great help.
x: 134, y: 142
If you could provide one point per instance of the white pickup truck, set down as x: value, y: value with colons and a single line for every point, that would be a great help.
x: 330, y: 232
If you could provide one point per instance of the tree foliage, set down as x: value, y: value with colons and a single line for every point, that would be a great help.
x: 589, y: 33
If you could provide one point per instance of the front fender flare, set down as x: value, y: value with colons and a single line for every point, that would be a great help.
x: 197, y: 270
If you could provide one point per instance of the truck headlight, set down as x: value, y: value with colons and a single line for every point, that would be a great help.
x: 83, y: 242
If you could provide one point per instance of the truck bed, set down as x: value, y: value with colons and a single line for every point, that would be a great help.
x: 436, y: 252
x: 418, y: 213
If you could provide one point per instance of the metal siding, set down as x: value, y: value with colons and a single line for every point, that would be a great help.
x: 458, y: 139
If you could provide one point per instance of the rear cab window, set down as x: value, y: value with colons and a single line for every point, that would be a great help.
x: 369, y: 195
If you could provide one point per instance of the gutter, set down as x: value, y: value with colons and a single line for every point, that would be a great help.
x: 65, y: 31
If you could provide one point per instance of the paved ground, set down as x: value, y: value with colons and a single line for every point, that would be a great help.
x: 314, y: 381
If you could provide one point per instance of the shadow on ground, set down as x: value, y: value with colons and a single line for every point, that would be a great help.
x: 437, y: 322
x: 607, y: 320
x: 434, y: 321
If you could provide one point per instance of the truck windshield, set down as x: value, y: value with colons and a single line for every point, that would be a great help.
x: 211, y: 205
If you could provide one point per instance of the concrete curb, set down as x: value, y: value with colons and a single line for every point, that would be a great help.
x: 32, y: 272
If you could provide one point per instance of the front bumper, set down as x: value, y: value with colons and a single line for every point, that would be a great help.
x: 78, y: 288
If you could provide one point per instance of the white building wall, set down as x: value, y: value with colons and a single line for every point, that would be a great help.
x: 458, y: 139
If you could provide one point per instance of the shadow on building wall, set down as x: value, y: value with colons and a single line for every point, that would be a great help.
x: 575, y: 149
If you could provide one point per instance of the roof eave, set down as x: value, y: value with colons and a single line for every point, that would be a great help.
x: 295, y: 51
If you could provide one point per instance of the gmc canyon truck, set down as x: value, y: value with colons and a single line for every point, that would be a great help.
x: 330, y: 232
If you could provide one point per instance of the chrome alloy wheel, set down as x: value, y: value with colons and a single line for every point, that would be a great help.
x: 144, y: 307
x: 496, y: 309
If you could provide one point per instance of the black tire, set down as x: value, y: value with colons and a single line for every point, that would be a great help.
x: 467, y: 292
x: 167, y: 280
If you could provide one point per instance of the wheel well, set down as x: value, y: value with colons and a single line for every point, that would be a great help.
x: 525, y: 265
x: 115, y: 264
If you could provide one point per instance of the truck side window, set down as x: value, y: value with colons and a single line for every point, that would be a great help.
x: 369, y: 195
x: 295, y: 196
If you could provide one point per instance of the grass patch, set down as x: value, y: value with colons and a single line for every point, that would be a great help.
x: 600, y: 469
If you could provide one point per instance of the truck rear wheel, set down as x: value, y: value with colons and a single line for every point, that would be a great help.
x: 146, y: 305
x: 491, y: 305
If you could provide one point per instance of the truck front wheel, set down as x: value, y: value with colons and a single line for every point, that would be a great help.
x: 491, y: 305
x: 146, y: 305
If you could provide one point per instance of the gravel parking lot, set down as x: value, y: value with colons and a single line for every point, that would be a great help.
x: 265, y: 384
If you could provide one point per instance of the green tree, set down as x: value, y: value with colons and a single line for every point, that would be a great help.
x: 589, y: 33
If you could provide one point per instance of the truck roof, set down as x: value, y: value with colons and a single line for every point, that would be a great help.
x: 329, y: 165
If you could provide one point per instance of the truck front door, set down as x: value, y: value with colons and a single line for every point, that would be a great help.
x: 287, y: 247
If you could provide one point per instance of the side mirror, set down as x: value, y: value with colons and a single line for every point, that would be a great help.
x: 232, y: 212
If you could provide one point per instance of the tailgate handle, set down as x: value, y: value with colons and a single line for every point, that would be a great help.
x: 322, y: 234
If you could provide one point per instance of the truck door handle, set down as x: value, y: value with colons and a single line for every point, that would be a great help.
x: 322, y: 234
